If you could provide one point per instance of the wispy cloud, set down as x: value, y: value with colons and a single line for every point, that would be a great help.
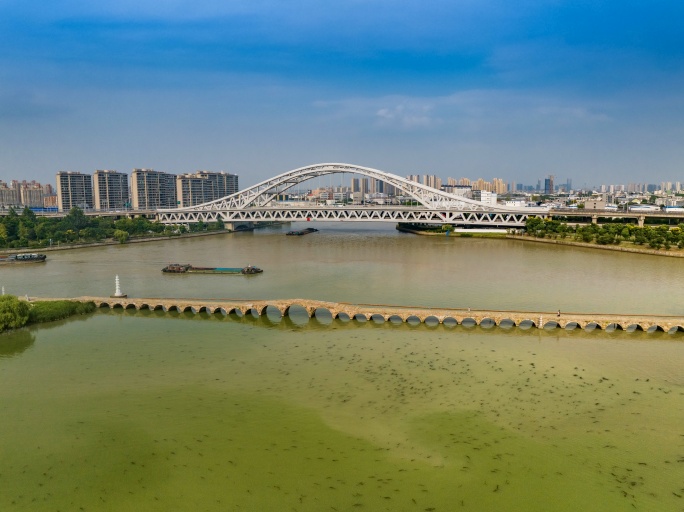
x: 468, y: 111
x: 28, y: 105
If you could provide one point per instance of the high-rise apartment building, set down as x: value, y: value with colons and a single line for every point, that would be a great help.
x: 74, y: 189
x: 224, y: 183
x: 152, y: 189
x: 203, y: 186
x: 432, y: 181
x: 9, y: 195
x: 111, y: 190
x: 32, y: 195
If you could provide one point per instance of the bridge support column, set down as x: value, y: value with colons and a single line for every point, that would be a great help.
x: 594, y: 218
x: 640, y: 221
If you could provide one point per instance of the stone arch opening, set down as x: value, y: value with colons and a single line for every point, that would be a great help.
x: 487, y: 323
x: 272, y: 313
x: 413, y: 320
x: 526, y: 324
x: 450, y: 322
x: 323, y: 315
x: 506, y: 323
x: 431, y: 321
x: 395, y: 320
x: 343, y: 317
x: 377, y: 318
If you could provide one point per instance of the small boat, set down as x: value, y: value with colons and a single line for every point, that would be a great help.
x: 23, y: 258
x: 186, y: 268
x: 301, y: 232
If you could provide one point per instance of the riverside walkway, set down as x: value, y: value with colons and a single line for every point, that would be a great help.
x: 410, y: 314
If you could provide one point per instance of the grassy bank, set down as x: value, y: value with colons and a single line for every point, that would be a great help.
x: 16, y: 313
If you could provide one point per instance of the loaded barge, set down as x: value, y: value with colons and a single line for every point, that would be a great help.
x: 23, y: 258
x: 301, y: 232
x: 186, y: 268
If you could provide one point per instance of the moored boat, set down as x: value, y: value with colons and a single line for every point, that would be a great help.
x: 186, y: 268
x: 23, y: 258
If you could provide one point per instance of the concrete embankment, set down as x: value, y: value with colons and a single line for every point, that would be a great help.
x: 394, y: 313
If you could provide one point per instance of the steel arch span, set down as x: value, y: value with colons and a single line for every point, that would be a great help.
x: 263, y: 193
x: 437, y: 206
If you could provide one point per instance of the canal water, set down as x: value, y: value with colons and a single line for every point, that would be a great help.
x: 125, y: 410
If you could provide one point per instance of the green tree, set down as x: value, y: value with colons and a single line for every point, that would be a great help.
x: 121, y: 236
x: 75, y: 220
x: 14, y: 313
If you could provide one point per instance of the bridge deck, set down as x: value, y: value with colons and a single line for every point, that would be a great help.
x: 389, y: 312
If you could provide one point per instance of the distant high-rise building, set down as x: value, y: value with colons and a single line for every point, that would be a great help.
x: 9, y: 196
x: 152, y: 189
x: 433, y: 181
x: 484, y: 196
x: 498, y: 186
x: 74, y: 189
x: 111, y: 190
x: 568, y: 185
x: 32, y: 195
x: 548, y: 185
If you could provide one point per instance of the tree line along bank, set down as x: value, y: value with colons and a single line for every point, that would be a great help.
x: 27, y: 230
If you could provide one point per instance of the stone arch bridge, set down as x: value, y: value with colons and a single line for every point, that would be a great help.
x: 393, y: 313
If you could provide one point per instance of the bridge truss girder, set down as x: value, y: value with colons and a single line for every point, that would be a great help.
x: 352, y: 214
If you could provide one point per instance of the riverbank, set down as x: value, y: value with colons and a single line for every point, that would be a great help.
x: 628, y: 247
x: 632, y: 248
x: 65, y: 247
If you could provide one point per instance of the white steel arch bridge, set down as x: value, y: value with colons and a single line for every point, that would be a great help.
x: 257, y: 204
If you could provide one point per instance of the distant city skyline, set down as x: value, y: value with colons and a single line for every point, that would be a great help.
x: 515, y: 90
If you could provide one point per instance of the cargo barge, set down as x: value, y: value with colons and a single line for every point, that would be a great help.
x: 23, y: 258
x: 186, y: 268
x: 301, y: 232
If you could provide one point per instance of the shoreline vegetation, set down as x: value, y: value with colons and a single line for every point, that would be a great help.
x: 16, y: 313
x: 26, y: 232
x: 656, y: 241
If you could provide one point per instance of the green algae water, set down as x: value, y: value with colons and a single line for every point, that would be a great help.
x: 153, y: 411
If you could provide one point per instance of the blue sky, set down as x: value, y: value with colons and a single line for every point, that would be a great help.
x: 587, y: 90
